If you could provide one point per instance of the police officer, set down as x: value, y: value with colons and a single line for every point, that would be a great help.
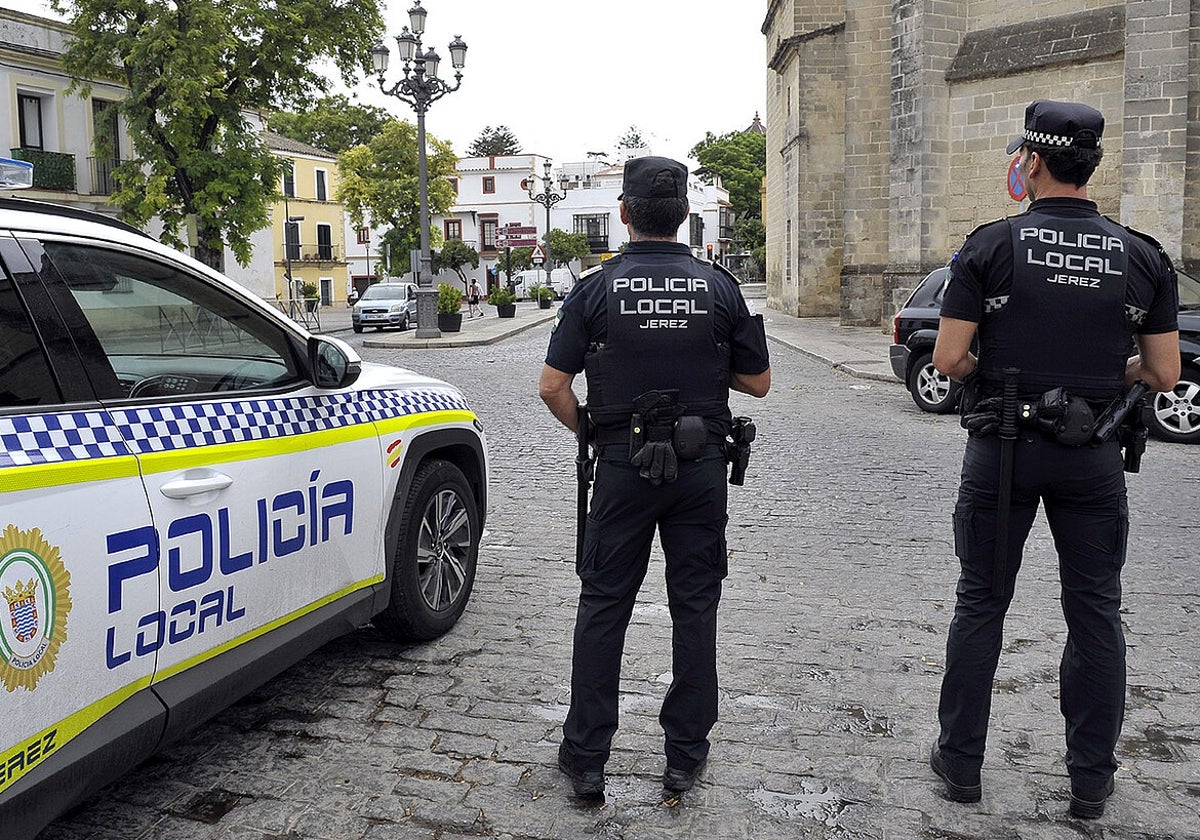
x: 1055, y: 295
x: 661, y: 337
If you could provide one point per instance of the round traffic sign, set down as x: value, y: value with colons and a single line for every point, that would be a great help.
x: 1016, y: 183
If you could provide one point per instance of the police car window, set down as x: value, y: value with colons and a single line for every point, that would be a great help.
x: 25, y: 377
x: 167, y: 333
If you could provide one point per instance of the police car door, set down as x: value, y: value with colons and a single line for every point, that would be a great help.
x: 67, y: 480
x: 265, y: 492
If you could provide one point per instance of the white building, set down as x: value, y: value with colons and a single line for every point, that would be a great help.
x: 492, y: 195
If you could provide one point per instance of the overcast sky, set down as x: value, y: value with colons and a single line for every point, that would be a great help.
x: 569, y: 77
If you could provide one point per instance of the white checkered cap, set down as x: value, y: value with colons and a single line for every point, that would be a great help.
x: 1060, y: 124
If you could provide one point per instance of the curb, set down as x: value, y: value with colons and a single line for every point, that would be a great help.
x: 404, y: 343
x: 844, y: 367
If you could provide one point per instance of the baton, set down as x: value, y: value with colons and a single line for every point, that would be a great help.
x: 1008, y: 437
x: 584, y: 470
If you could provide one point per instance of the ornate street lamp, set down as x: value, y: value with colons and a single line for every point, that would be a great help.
x: 420, y: 87
x: 547, y: 198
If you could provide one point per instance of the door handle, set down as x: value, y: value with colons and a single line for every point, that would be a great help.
x: 195, y: 482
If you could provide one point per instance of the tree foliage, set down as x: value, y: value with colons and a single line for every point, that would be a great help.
x: 456, y: 254
x: 194, y: 68
x: 334, y: 123
x: 632, y: 139
x: 379, y: 180
x: 494, y: 141
x: 741, y: 161
x: 565, y: 247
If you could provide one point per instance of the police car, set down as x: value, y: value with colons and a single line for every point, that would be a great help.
x: 194, y: 494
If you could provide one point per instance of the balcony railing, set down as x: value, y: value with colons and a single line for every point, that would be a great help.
x: 313, y: 252
x: 103, y: 182
x: 51, y: 170
x: 598, y: 244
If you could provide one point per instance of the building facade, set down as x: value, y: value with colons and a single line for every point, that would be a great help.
x: 887, y: 122
x: 308, y: 226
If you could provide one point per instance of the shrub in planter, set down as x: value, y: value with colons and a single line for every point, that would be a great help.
x: 449, y: 299
x: 308, y: 292
x: 505, y: 301
x: 449, y: 302
x: 543, y: 295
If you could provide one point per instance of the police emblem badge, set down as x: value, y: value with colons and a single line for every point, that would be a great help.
x: 36, y: 588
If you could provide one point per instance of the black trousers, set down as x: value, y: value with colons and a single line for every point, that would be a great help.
x: 1083, y: 490
x: 690, y: 515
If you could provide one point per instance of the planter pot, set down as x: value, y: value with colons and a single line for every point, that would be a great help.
x: 310, y: 304
x: 450, y: 321
x: 506, y: 310
x: 543, y: 303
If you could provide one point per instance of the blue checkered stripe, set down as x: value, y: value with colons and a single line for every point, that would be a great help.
x: 78, y: 436
x: 58, y: 438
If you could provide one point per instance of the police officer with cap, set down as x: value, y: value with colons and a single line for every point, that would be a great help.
x: 661, y: 337
x: 1055, y: 296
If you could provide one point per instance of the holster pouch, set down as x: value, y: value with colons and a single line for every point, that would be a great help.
x: 637, y: 433
x: 1068, y: 418
x: 690, y: 437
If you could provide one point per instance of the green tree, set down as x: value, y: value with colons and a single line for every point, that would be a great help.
x: 565, y: 247
x: 335, y: 123
x: 741, y: 161
x: 520, y: 259
x: 379, y: 179
x: 494, y: 141
x: 454, y: 255
x: 194, y: 69
x: 631, y: 139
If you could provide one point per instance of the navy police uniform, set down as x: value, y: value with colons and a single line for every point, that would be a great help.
x: 1057, y: 292
x: 653, y: 318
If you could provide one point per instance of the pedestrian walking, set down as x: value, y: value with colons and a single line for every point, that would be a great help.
x: 661, y: 337
x: 474, y: 292
x: 1055, y: 295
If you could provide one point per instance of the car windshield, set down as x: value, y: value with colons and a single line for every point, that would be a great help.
x: 382, y: 292
x: 1189, y: 291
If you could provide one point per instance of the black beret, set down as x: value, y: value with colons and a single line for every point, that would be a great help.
x: 654, y: 177
x: 1060, y: 124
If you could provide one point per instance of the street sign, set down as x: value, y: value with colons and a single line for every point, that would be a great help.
x: 1016, y: 180
x: 514, y: 235
x: 539, y: 256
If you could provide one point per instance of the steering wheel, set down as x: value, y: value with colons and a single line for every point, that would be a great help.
x: 236, y: 379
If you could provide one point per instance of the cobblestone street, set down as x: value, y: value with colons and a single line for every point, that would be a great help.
x: 833, y: 628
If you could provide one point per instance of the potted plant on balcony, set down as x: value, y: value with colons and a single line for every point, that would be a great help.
x: 505, y: 301
x: 542, y: 294
x: 308, y: 293
x: 449, y: 302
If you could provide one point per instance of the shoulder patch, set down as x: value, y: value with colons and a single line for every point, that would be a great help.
x: 583, y: 275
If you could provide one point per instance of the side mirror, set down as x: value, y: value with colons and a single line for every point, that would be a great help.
x: 333, y: 362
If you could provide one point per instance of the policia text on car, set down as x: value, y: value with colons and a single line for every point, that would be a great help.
x: 1057, y: 295
x: 662, y: 337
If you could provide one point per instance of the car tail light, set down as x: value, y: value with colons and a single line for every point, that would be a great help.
x: 896, y: 329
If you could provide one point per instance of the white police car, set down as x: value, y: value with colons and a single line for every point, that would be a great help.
x: 194, y: 494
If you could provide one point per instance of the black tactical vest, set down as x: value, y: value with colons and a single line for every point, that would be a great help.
x: 661, y: 313
x: 1064, y: 322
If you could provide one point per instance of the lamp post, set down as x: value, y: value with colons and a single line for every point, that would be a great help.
x: 420, y: 87
x: 287, y: 246
x: 547, y: 198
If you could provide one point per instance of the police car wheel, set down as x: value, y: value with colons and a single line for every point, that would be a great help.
x: 931, y: 390
x: 436, y: 553
x: 1175, y: 414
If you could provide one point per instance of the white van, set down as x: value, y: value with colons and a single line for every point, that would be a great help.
x: 561, y: 280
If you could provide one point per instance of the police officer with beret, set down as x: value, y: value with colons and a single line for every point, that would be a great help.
x: 1055, y: 295
x: 661, y: 337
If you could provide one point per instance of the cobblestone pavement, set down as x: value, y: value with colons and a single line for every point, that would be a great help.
x: 832, y: 641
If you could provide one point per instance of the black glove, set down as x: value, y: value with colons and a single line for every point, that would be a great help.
x: 657, y: 462
x: 655, y: 458
x: 984, y: 419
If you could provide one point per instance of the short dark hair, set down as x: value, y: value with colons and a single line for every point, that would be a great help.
x: 657, y: 217
x: 1070, y: 164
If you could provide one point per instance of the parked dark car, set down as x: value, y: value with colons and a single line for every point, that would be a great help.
x: 1175, y: 415
x: 914, y: 332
